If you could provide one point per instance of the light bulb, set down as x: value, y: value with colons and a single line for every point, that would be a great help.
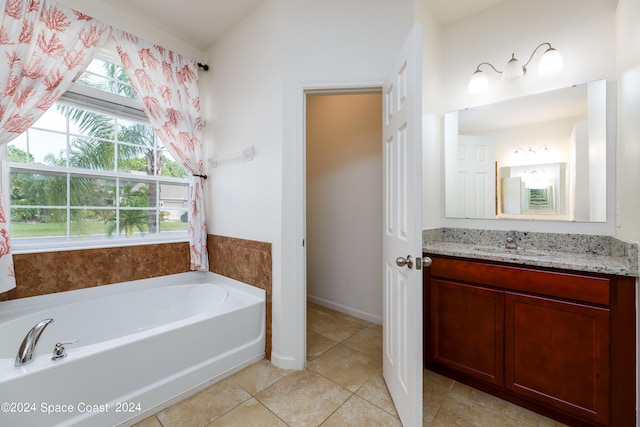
x: 478, y: 82
x: 513, y: 70
x: 550, y: 63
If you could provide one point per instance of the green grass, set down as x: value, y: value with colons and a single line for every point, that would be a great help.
x: 32, y: 229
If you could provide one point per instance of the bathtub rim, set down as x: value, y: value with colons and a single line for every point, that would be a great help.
x: 26, y: 306
x: 17, y: 307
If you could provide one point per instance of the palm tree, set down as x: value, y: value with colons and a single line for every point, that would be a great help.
x: 98, y: 151
x: 129, y: 220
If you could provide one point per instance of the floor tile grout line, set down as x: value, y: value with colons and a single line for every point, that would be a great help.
x: 214, y: 419
x: 343, y: 342
x: 271, y: 412
x: 336, y: 410
x: 355, y: 393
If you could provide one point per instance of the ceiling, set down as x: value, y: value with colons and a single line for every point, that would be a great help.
x: 197, y: 22
x: 201, y: 22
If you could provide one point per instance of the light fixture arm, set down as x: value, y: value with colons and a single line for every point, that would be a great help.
x: 524, y: 67
x: 490, y: 65
x: 550, y: 63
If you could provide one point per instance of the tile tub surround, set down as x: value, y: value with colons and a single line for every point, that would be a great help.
x: 597, y: 254
x: 248, y: 261
x: 43, y: 273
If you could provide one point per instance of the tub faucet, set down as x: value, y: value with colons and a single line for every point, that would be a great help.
x: 28, y: 347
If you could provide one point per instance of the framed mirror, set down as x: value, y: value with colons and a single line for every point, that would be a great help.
x: 537, y: 157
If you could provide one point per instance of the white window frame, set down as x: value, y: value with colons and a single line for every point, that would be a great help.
x: 102, y: 102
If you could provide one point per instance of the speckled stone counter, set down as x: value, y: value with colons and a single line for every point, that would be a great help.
x: 597, y: 254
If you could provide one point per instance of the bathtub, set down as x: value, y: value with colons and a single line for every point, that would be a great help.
x: 142, y: 346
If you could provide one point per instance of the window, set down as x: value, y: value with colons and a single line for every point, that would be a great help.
x: 91, y: 170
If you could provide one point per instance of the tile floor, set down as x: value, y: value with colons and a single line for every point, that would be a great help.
x: 342, y: 386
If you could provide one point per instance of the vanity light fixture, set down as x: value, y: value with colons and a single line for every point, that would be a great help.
x: 550, y: 63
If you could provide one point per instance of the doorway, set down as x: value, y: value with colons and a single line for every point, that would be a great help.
x: 343, y: 136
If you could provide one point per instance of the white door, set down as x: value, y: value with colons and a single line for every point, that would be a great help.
x: 477, y: 176
x: 402, y: 234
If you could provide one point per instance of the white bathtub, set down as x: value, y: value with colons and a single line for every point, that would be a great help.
x: 142, y: 345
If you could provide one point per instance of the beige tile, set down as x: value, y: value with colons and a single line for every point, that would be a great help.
x: 375, y: 391
x: 358, y: 412
x: 547, y: 422
x: 427, y: 418
x: 526, y: 416
x: 347, y: 367
x: 438, y: 390
x: 250, y: 413
x: 435, y: 390
x: 205, y: 406
x: 337, y: 327
x: 479, y: 398
x: 462, y: 412
x: 303, y: 398
x: 316, y: 312
x: 367, y: 341
x: 438, y: 380
x: 484, y: 400
x: 149, y: 422
x: 259, y: 376
x: 317, y: 344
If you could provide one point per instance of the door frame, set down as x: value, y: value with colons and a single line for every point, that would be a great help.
x: 299, y: 266
x: 340, y: 97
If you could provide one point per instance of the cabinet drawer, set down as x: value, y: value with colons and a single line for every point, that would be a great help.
x: 577, y: 287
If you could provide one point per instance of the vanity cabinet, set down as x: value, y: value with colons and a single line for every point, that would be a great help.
x: 560, y: 343
x: 467, y: 329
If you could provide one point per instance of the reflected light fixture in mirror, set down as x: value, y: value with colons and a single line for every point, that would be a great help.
x: 550, y: 63
x: 531, y: 150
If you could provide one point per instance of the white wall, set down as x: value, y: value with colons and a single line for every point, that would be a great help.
x: 242, y: 98
x: 344, y: 199
x: 255, y: 93
x: 132, y: 22
x: 628, y: 159
x: 582, y: 30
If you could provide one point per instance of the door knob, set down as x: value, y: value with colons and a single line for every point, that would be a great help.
x: 405, y: 261
x: 423, y: 262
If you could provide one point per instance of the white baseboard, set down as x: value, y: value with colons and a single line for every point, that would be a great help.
x: 287, y: 362
x: 346, y: 310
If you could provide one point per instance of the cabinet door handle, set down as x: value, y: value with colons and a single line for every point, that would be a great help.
x: 405, y: 261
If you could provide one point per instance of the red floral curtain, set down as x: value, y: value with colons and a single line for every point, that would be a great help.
x: 167, y: 84
x: 44, y: 47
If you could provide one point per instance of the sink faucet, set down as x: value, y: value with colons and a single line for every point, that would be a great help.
x: 28, y: 347
x: 510, y: 241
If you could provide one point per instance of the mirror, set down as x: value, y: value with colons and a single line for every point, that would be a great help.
x: 537, y: 157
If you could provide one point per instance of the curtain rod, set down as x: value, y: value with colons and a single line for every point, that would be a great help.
x: 203, y: 66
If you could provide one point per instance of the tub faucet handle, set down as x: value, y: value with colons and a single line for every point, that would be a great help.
x: 59, y: 351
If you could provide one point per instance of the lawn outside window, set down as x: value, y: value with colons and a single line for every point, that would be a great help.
x: 91, y: 172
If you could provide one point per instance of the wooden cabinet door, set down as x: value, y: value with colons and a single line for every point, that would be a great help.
x: 558, y: 352
x: 467, y: 329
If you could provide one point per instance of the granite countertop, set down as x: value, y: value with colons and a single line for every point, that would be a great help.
x: 596, y: 254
